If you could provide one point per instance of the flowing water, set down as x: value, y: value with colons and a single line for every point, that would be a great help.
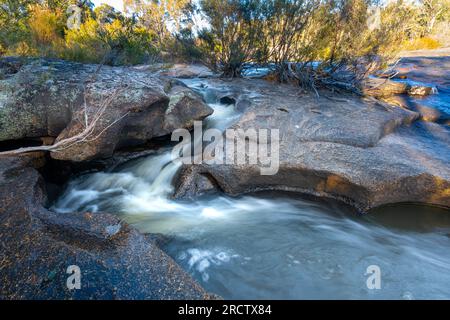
x: 274, y: 245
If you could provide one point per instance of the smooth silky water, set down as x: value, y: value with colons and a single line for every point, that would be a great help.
x: 274, y: 245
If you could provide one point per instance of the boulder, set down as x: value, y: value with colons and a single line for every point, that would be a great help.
x: 359, y: 150
x: 55, y: 98
x: 39, y: 246
x: 427, y: 113
x: 378, y: 87
x: 185, y: 106
x: 419, y: 90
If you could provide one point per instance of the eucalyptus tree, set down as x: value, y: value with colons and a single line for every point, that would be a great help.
x: 433, y: 11
x: 285, y: 33
x: 163, y: 17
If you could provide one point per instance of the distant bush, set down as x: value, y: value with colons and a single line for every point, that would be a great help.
x: 38, y: 28
x: 234, y: 35
x: 85, y: 44
x: 186, y: 48
x: 421, y: 43
x: 284, y: 31
x: 46, y: 30
x: 112, y: 43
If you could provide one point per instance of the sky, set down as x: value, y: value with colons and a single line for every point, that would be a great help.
x: 117, y: 4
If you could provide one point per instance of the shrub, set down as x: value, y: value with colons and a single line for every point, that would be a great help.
x: 421, y: 43
x: 114, y: 43
x: 234, y: 35
x: 85, y: 44
x: 288, y: 34
x: 46, y: 31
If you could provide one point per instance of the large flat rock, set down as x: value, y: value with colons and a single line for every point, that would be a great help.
x: 362, y: 151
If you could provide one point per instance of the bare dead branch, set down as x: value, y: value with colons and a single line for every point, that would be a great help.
x: 89, y: 126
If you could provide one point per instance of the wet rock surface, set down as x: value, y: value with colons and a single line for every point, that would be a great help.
x: 427, y: 113
x: 46, y: 98
x: 424, y: 72
x: 37, y: 247
x: 359, y: 150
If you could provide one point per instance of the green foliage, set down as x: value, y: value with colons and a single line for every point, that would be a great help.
x: 185, y: 47
x: 157, y: 15
x: 239, y: 32
x: 336, y: 32
x: 236, y: 28
x: 421, y: 43
x: 13, y: 29
x: 38, y: 28
x: 118, y: 42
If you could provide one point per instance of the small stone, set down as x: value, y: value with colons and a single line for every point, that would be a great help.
x: 113, y: 230
x: 418, y: 90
